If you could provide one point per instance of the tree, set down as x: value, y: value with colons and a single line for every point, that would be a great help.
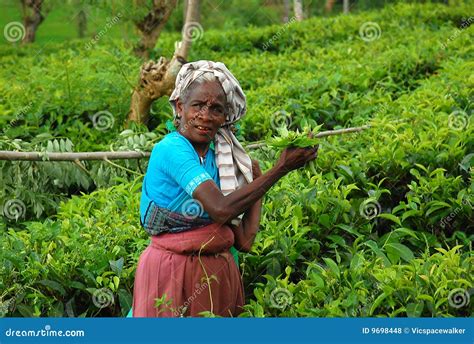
x: 286, y: 11
x: 158, y: 78
x: 32, y: 18
x: 298, y: 8
x: 151, y: 25
x: 345, y: 6
x: 329, y: 5
x: 81, y: 23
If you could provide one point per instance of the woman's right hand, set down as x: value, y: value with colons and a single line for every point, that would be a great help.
x: 293, y: 158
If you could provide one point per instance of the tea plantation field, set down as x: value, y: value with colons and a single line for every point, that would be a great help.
x: 382, y: 225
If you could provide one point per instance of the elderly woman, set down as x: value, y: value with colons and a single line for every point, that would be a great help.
x: 201, y: 196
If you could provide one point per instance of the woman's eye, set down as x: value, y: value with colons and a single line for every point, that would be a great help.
x: 217, y: 110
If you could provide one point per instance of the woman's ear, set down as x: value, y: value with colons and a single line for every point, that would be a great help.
x: 179, y: 107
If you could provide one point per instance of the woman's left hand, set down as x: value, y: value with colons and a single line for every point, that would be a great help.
x: 256, y: 171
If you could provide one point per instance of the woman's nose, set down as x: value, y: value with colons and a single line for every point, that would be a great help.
x: 204, y: 113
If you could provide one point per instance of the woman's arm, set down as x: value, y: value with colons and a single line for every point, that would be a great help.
x: 247, y: 230
x: 223, y: 208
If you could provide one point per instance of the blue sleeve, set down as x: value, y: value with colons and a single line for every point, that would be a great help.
x: 179, y: 160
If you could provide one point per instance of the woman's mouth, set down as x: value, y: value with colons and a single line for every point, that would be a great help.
x: 203, y: 130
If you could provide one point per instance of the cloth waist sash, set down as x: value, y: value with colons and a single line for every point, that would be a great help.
x: 158, y: 220
x: 211, y: 239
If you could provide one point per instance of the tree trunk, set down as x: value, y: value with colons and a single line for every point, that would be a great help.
x: 191, y: 23
x: 345, y: 6
x: 286, y: 11
x: 298, y: 9
x: 158, y: 79
x: 329, y: 5
x: 151, y: 25
x: 82, y: 23
x: 185, y: 10
x: 32, y: 18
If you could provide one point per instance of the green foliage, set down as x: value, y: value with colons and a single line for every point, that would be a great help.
x: 363, y: 285
x: 295, y: 139
x: 381, y: 225
x: 41, y: 185
x: 55, y: 267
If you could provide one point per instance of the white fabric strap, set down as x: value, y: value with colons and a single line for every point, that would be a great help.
x: 235, y: 166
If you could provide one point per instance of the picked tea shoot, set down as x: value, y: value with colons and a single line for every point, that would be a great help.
x: 289, y: 138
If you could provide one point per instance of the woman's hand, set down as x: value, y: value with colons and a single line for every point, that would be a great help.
x: 256, y: 171
x: 293, y: 158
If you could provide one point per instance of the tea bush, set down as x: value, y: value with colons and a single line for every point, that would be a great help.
x: 381, y: 225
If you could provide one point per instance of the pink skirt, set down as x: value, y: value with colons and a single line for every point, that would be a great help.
x: 186, y: 282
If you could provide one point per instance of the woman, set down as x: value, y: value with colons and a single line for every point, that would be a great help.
x: 202, y: 195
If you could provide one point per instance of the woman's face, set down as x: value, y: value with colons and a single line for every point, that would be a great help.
x: 203, y: 112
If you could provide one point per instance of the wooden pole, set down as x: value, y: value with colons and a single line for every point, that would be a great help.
x: 54, y: 156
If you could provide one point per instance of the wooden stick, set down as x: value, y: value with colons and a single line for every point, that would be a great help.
x: 54, y: 156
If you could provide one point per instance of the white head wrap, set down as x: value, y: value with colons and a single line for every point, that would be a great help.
x: 235, y: 166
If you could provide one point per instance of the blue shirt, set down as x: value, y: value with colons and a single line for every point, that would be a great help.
x: 174, y: 172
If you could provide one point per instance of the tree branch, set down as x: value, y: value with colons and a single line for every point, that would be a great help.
x: 52, y: 156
